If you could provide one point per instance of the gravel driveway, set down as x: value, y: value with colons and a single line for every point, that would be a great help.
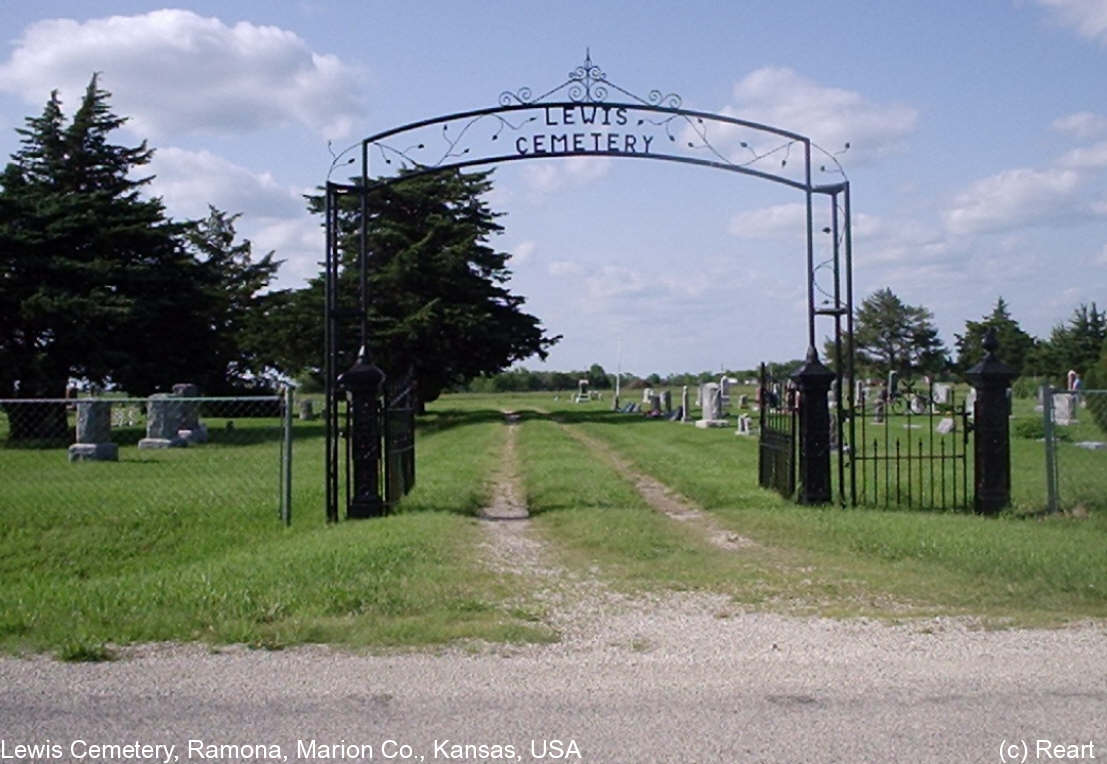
x: 666, y: 679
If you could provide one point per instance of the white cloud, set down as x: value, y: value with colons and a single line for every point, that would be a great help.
x: 1014, y: 198
x: 274, y: 217
x: 563, y: 268
x: 173, y: 71
x: 522, y: 251
x: 1087, y: 17
x: 775, y: 222
x: 190, y: 180
x: 1089, y: 157
x: 831, y: 117
x: 543, y: 177
x: 299, y: 242
x: 1083, y: 124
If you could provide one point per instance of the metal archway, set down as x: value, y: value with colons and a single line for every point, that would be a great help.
x: 574, y: 119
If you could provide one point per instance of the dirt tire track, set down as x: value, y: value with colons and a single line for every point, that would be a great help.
x: 581, y: 608
x: 661, y: 497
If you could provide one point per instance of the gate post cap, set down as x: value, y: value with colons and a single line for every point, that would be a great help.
x: 991, y: 371
x: 813, y: 373
x: 363, y: 376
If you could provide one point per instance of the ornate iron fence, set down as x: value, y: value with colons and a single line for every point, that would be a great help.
x: 776, y: 453
x: 910, y: 447
x: 399, y: 438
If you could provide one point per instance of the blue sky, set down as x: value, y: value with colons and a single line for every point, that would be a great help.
x: 977, y: 160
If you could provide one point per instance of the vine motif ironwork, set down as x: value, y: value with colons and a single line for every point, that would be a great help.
x: 588, y: 84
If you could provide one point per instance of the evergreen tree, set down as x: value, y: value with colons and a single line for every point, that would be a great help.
x: 1075, y: 345
x: 891, y: 335
x: 438, y: 303
x: 97, y: 282
x: 1015, y: 345
x: 232, y: 284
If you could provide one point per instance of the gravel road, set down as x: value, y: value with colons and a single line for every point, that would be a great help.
x: 680, y: 678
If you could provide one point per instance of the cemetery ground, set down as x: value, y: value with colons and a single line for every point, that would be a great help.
x: 164, y: 548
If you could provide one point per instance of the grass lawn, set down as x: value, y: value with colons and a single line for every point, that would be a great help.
x: 187, y: 545
x: 155, y: 550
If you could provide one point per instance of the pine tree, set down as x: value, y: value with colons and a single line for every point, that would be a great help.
x: 232, y: 283
x: 1015, y: 345
x: 105, y: 288
x: 438, y: 301
x: 1076, y: 345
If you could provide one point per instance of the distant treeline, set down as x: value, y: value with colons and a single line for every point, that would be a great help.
x: 523, y: 380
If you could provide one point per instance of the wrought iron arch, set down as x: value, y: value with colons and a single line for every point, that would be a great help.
x: 576, y: 119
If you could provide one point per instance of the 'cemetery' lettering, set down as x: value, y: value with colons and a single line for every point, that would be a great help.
x: 586, y: 141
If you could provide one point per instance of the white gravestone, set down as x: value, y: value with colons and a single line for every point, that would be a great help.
x: 1064, y: 412
x: 712, y: 407
x: 163, y: 420
x: 93, y: 433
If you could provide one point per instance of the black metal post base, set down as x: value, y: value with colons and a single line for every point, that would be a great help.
x: 363, y: 382
x: 992, y: 435
x: 813, y: 380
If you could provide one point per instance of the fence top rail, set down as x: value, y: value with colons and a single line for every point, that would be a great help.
x: 198, y: 399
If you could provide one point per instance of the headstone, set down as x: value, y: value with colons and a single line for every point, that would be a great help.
x: 945, y: 426
x: 712, y: 407
x: 647, y: 393
x: 190, y: 427
x: 878, y: 411
x: 125, y: 415
x: 667, y: 401
x: 1064, y: 413
x: 307, y: 409
x: 743, y: 425
x: 163, y: 420
x: 93, y: 433
x: 893, y: 383
x: 582, y: 391
x: 941, y: 392
x: 970, y: 402
x: 684, y: 403
x: 725, y: 384
x: 743, y: 401
x: 918, y: 404
x: 655, y: 405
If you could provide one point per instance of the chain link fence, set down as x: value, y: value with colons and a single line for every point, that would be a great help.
x: 220, y: 454
x: 1059, y: 451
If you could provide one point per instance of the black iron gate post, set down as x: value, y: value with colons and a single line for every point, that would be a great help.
x: 363, y: 382
x: 813, y: 380
x: 992, y: 442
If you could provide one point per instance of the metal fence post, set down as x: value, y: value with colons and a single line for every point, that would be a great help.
x: 286, y: 457
x: 813, y: 380
x: 991, y: 379
x: 1050, y: 440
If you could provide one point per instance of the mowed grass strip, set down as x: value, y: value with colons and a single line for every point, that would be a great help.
x: 123, y: 571
x: 1027, y: 571
x: 603, y: 526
